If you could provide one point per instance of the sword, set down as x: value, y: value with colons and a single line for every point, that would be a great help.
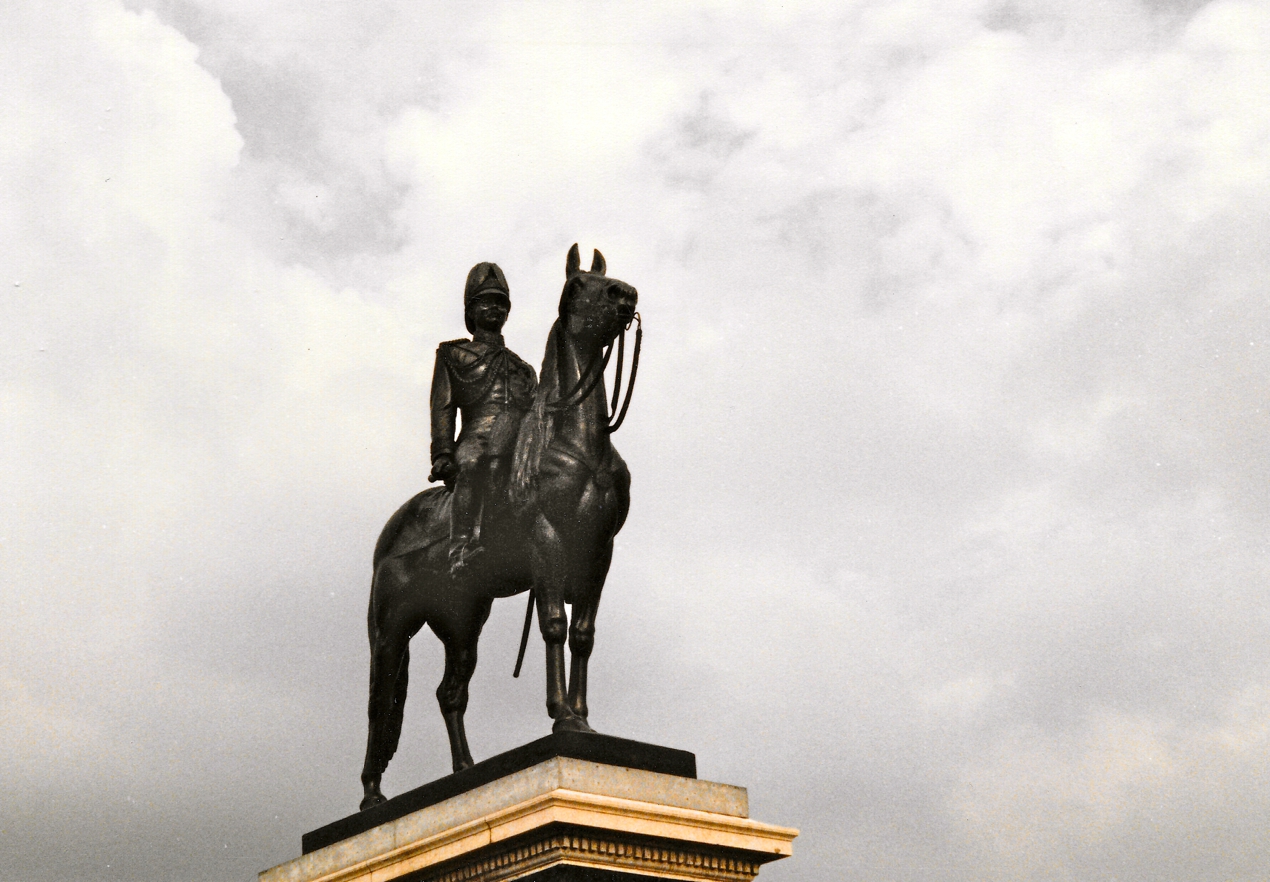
x: 524, y: 635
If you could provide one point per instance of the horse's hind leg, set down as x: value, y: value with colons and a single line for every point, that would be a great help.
x: 460, y: 662
x: 458, y: 624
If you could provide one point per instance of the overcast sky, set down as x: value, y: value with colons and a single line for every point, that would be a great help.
x: 949, y: 532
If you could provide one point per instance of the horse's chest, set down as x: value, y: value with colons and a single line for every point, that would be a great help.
x: 590, y: 495
x: 603, y: 478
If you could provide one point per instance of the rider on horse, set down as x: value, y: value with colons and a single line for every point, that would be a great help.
x: 492, y: 388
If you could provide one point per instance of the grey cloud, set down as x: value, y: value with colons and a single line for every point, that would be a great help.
x: 954, y: 555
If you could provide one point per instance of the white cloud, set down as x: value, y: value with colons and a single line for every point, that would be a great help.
x: 948, y: 447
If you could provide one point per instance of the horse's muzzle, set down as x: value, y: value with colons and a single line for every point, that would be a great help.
x: 625, y: 297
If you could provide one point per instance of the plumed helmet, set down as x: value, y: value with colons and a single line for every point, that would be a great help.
x: 482, y: 277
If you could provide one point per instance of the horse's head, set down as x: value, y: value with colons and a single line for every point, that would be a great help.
x: 593, y: 307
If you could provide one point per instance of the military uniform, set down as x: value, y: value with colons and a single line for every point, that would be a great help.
x: 491, y: 388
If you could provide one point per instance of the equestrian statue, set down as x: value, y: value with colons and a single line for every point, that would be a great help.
x: 534, y: 495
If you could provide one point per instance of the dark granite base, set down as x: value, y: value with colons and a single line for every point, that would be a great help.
x: 576, y: 745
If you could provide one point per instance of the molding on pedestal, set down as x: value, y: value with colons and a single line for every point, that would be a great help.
x: 612, y: 853
x: 561, y: 826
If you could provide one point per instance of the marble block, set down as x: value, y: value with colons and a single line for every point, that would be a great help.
x: 592, y: 746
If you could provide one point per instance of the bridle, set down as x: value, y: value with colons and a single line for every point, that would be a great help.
x: 595, y: 372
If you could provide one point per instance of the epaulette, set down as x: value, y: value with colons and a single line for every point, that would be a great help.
x: 447, y: 348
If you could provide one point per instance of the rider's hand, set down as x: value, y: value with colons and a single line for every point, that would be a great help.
x: 444, y: 468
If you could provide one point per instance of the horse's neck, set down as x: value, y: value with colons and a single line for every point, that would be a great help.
x: 583, y: 425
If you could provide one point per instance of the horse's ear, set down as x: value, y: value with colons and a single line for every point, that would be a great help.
x: 572, y: 263
x: 597, y: 264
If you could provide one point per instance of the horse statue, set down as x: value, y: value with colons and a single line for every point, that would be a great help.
x: 552, y: 535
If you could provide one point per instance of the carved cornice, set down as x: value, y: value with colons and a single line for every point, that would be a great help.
x: 584, y: 848
x: 675, y: 843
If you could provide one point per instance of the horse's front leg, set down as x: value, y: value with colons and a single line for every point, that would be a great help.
x: 582, y: 628
x: 550, y: 570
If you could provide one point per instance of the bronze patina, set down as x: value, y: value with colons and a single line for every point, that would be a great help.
x: 544, y: 522
x: 492, y: 388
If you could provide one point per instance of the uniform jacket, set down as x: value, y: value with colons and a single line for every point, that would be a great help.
x: 481, y: 378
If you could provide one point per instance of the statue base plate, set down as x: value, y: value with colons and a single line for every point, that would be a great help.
x: 563, y: 819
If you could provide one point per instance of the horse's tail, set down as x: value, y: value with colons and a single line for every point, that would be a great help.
x: 397, y: 714
x: 537, y: 426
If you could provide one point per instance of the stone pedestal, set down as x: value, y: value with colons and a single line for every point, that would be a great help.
x: 567, y: 807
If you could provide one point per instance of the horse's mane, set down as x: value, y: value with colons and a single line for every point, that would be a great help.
x: 538, y: 425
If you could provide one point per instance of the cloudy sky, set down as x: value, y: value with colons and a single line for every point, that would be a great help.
x: 950, y: 513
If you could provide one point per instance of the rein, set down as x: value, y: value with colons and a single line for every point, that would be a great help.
x: 586, y: 383
x: 616, y: 424
x: 595, y: 372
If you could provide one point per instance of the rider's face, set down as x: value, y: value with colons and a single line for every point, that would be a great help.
x: 489, y: 311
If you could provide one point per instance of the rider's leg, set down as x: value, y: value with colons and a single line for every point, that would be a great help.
x: 466, y: 507
x: 462, y: 510
x: 497, y: 469
x: 498, y: 461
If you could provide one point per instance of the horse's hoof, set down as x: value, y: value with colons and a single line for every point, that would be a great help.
x: 571, y: 723
x: 371, y: 800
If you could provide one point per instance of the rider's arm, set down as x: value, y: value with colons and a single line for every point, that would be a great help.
x: 444, y: 409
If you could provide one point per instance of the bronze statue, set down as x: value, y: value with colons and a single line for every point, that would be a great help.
x: 493, y: 388
x: 547, y: 528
